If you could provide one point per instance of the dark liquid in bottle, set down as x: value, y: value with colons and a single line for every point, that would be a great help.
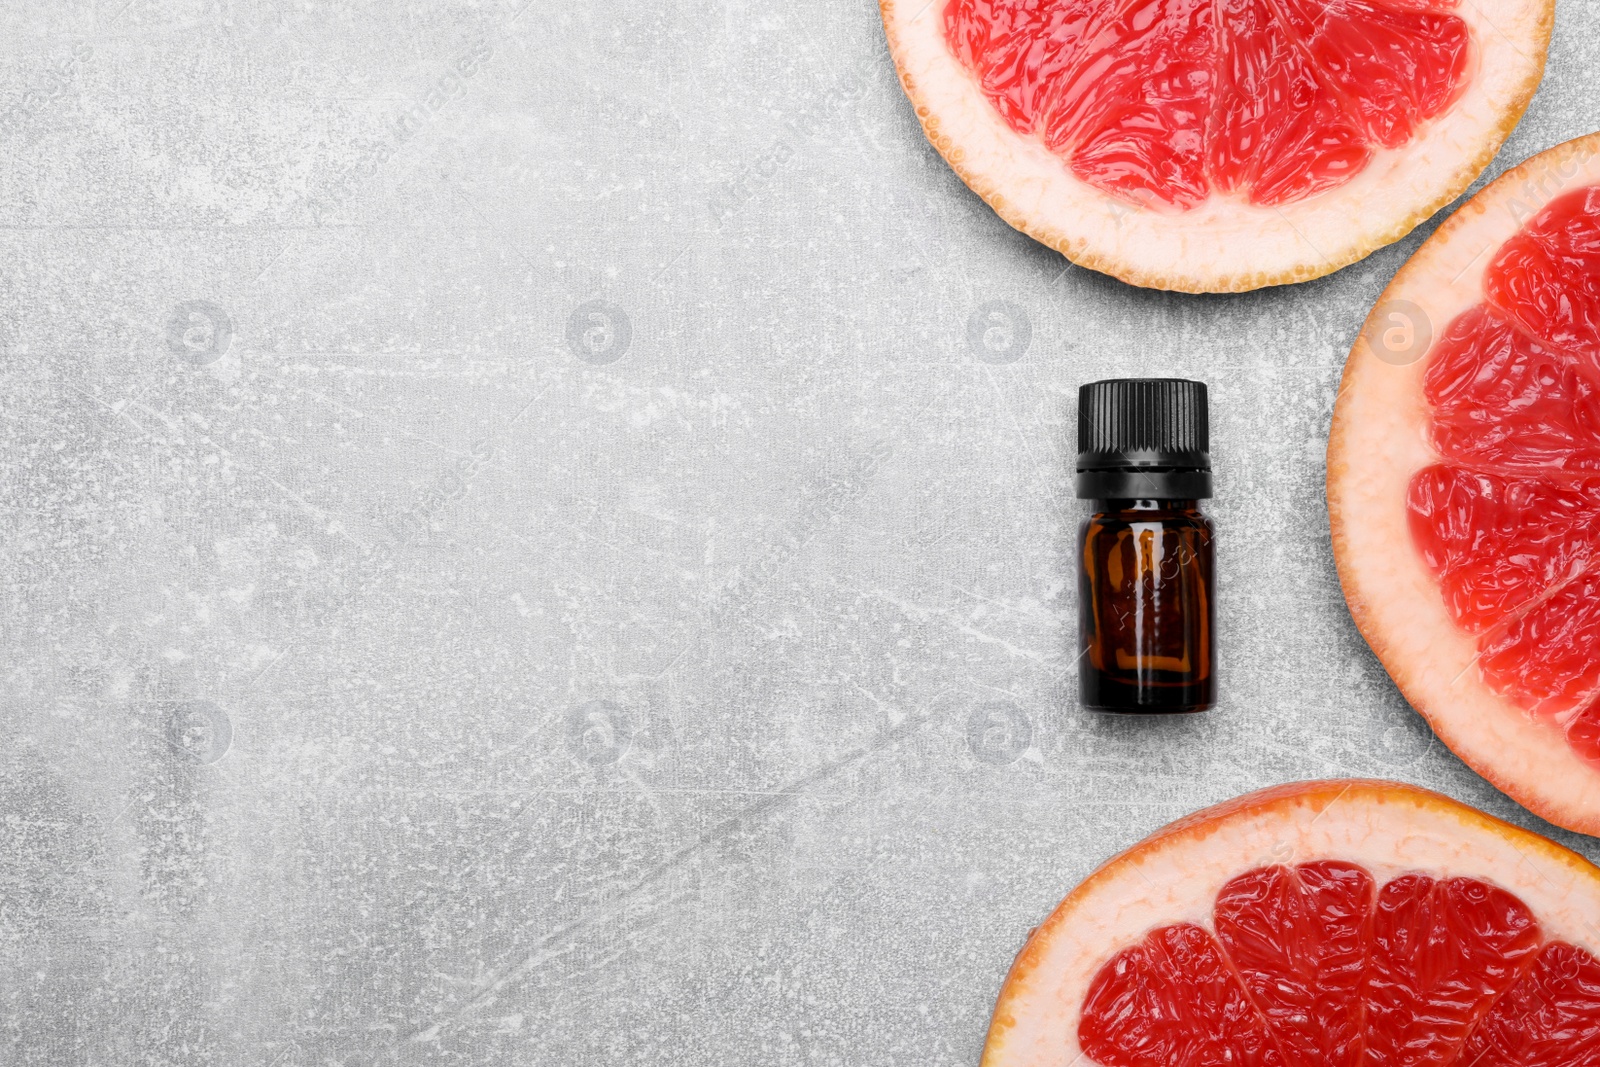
x: 1145, y: 596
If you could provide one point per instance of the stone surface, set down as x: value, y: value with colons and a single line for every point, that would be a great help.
x: 542, y: 535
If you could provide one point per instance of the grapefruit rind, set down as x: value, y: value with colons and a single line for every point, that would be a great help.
x: 1379, y: 440
x: 1224, y: 244
x: 1174, y: 876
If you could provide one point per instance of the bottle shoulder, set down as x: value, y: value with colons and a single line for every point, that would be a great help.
x: 1166, y: 519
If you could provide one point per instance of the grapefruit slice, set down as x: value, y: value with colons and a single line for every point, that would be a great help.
x: 1217, y: 145
x: 1464, y: 483
x: 1321, y: 924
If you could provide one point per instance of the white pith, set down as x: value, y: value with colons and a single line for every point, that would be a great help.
x: 1388, y: 829
x: 1379, y: 442
x: 1224, y: 244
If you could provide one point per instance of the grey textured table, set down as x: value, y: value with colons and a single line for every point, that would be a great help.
x: 522, y: 546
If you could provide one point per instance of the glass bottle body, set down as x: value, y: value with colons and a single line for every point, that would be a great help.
x: 1146, y: 609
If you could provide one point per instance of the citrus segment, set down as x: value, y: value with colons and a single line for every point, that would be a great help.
x: 1505, y: 401
x: 1442, y: 951
x: 1393, y: 65
x: 1277, y: 132
x: 1550, y: 1018
x: 1548, y: 658
x: 1496, y: 543
x: 1548, y: 276
x: 1300, y: 937
x: 1173, y: 998
x: 1417, y: 933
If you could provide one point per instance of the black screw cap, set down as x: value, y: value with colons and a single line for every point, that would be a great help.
x: 1145, y: 439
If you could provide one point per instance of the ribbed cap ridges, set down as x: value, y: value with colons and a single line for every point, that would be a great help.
x: 1144, y: 422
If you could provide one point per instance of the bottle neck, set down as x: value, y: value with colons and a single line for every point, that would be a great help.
x: 1124, y: 505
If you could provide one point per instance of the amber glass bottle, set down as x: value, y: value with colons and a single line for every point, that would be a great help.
x: 1146, y: 606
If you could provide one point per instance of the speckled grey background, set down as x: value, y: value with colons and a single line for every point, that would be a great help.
x: 541, y: 536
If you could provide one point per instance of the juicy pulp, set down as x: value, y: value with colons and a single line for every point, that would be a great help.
x: 1165, y: 102
x: 1509, y: 519
x: 1317, y: 964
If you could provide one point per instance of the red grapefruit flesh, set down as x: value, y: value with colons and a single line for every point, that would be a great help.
x: 1464, y: 483
x: 1213, y: 145
x: 1279, y: 99
x: 1397, y: 928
